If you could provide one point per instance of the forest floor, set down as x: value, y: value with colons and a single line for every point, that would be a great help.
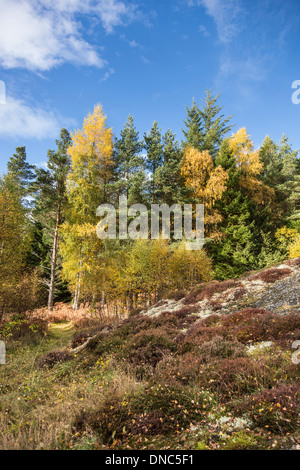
x: 215, y: 368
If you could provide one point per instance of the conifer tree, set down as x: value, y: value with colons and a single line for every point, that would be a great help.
x: 49, y: 191
x: 272, y: 163
x: 127, y: 155
x: 20, y: 171
x: 169, y: 180
x: 235, y: 252
x: 215, y: 125
x: 206, y: 128
x: 154, y: 147
x: 194, y: 132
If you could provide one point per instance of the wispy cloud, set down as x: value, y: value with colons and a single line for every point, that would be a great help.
x: 18, y: 119
x: 41, y: 34
x: 226, y: 15
x: 107, y: 74
x: 145, y: 60
x: 203, y: 29
x: 249, y: 47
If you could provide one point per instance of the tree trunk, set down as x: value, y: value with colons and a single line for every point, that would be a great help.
x: 53, y: 261
x: 77, y: 292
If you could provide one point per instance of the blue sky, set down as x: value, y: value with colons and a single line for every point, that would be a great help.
x: 58, y: 58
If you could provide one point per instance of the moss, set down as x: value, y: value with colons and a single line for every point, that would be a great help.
x: 243, y: 440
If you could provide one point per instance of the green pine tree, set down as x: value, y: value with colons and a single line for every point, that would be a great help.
x: 129, y: 162
x: 49, y: 192
x: 153, y: 145
x: 215, y: 126
x: 169, y: 180
x: 193, y: 131
x: 235, y: 252
x: 19, y: 171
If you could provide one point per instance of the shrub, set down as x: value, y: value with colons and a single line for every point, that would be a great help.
x: 110, y: 421
x: 23, y: 330
x: 149, y: 347
x: 182, y: 370
x: 50, y: 359
x: 22, y: 297
x: 254, y: 325
x: 173, y: 405
x: 276, y: 410
x: 220, y: 347
x: 179, y: 318
x: 238, y: 293
x: 294, y: 249
x: 235, y: 377
x: 177, y: 295
x: 272, y: 275
x: 135, y: 311
x: 213, y: 288
x: 191, y: 298
x: 105, y: 344
x: 249, y: 325
x: 82, y: 336
x: 294, y: 262
x: 214, y: 305
x: 157, y: 410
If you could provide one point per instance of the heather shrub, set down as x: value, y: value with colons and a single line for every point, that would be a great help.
x: 254, y: 325
x: 134, y: 325
x: 135, y: 311
x: 209, y: 290
x: 50, y: 359
x: 294, y: 262
x: 105, y: 344
x: 149, y: 347
x: 157, y: 410
x: 176, y: 407
x: 285, y: 329
x: 249, y: 325
x: 177, y: 295
x: 235, y: 377
x: 222, y: 348
x: 110, y: 421
x: 145, y: 355
x: 83, y: 335
x: 179, y: 318
x: 276, y: 410
x: 182, y: 369
x: 192, y: 296
x: 238, y: 293
x: 210, y: 321
x: 214, y: 305
x: 273, y: 274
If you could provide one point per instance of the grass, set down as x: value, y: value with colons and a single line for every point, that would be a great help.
x: 146, y: 384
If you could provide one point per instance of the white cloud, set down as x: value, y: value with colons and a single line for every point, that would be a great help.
x: 113, y: 13
x: 17, y: 119
x: 41, y: 34
x: 203, y: 29
x: 107, y: 74
x: 225, y: 14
